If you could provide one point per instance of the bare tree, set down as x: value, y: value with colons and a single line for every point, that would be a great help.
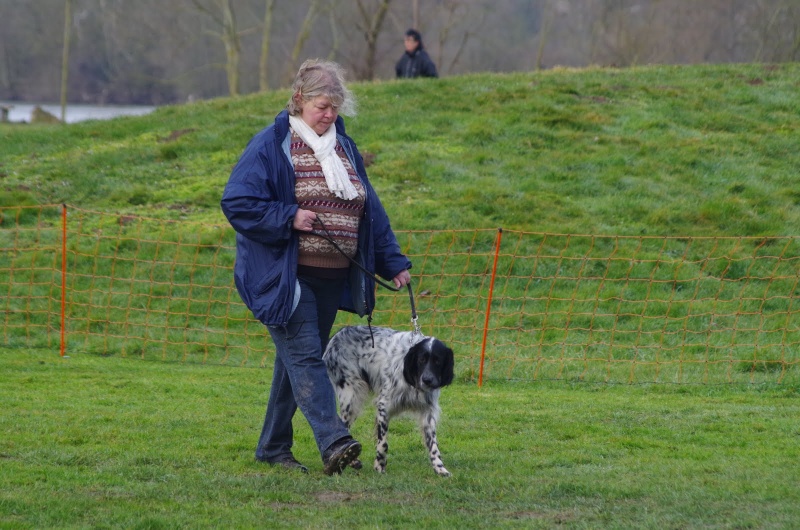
x: 65, y: 58
x: 266, y: 37
x: 157, y: 52
x: 452, y: 14
x: 370, y: 22
x: 547, y: 20
x: 334, y: 28
x: 777, y: 33
x: 302, y: 37
x: 623, y: 32
x: 222, y: 14
x: 233, y: 47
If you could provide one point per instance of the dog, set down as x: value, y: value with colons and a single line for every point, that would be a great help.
x: 405, y: 371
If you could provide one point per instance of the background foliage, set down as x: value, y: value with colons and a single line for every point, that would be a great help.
x: 155, y: 52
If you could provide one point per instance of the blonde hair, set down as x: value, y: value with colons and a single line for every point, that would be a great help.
x: 317, y: 78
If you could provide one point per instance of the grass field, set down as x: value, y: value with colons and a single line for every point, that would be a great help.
x: 93, y: 442
x: 101, y: 440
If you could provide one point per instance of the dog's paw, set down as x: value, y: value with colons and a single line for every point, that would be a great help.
x: 441, y: 471
x: 379, y: 467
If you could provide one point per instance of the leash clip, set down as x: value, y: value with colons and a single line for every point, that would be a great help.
x: 415, y: 324
x: 414, y: 318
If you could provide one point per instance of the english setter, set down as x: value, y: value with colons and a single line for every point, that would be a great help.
x: 404, y: 370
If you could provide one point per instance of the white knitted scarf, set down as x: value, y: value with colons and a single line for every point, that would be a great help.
x: 324, y: 150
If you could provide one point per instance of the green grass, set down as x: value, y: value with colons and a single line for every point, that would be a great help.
x: 104, y: 439
x: 109, y: 442
x: 660, y: 150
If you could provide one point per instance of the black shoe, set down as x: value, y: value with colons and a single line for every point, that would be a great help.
x: 340, y: 455
x: 289, y: 462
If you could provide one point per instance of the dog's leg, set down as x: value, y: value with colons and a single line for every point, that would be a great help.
x: 345, y: 407
x: 428, y: 424
x: 351, y: 397
x: 381, y: 432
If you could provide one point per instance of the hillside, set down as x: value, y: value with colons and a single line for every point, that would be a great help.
x: 692, y: 150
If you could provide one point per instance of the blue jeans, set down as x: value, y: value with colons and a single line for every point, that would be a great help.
x: 300, y: 378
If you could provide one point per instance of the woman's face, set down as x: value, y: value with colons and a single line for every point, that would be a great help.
x: 410, y: 43
x: 319, y: 114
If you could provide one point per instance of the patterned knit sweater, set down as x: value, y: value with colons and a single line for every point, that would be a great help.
x: 341, y: 217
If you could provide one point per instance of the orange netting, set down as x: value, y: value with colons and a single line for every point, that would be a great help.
x: 513, y: 305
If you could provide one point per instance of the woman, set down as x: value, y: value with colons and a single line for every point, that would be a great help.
x: 299, y: 181
x: 415, y: 62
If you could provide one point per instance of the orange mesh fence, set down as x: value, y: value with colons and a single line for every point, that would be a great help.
x: 634, y: 309
x: 156, y: 289
x: 526, y: 306
x: 30, y: 282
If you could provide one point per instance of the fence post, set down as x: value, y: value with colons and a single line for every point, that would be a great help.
x: 63, y: 277
x: 489, y: 304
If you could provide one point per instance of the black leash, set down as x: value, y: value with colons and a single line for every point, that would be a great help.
x: 327, y: 237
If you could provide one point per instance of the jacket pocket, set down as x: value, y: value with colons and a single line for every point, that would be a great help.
x: 358, y: 288
x: 266, y: 283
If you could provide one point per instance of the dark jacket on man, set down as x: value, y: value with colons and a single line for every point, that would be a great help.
x: 416, y: 64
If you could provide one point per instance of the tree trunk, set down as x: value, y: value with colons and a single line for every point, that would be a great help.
x: 333, y: 5
x: 229, y: 34
x: 65, y: 58
x: 543, y: 31
x: 371, y: 24
x: 263, y: 80
x: 302, y: 37
x: 233, y: 47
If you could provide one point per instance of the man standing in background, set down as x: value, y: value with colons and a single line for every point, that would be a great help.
x: 415, y: 62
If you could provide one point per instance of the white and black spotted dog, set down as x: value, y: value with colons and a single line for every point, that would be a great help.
x: 405, y: 371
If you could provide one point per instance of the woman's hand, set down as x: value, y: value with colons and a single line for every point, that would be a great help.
x: 304, y: 220
x: 403, y: 278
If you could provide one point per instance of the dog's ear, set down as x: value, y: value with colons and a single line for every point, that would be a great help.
x: 411, y: 365
x: 447, y: 368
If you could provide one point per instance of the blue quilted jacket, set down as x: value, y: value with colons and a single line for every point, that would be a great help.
x: 259, y: 202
